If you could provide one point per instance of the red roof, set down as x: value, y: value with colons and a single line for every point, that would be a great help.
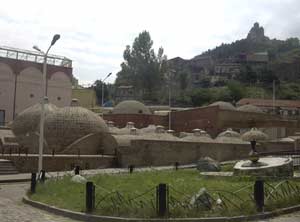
x: 269, y: 103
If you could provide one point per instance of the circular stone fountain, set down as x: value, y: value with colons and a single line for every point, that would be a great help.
x: 270, y: 167
x: 262, y: 167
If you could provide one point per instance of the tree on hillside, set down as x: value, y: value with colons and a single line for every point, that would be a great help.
x: 236, y: 90
x: 142, y: 68
x: 98, y: 89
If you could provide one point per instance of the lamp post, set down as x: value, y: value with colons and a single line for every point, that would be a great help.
x: 170, y: 95
x: 44, y: 94
x: 102, y: 93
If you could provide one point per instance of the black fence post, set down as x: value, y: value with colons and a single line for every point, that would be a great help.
x: 90, y: 196
x: 53, y: 152
x: 43, y: 176
x: 176, y: 165
x: 10, y: 151
x: 33, y: 182
x: 76, y: 170
x: 26, y: 151
x: 259, y: 195
x: 19, y: 151
x: 2, y: 151
x: 162, y: 200
x: 130, y: 168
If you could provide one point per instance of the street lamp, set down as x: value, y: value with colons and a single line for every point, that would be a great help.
x: 102, y: 88
x: 44, y: 94
x: 170, y: 81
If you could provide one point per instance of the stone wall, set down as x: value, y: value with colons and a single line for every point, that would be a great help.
x: 140, y: 120
x: 27, y: 164
x: 159, y: 153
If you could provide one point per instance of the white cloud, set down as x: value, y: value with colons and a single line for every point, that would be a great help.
x: 95, y: 33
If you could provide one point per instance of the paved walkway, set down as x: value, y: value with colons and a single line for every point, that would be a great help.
x: 294, y: 217
x: 12, y: 209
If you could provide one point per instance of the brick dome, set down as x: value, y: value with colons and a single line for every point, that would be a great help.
x: 223, y: 105
x: 64, y: 126
x: 131, y: 107
x: 28, y: 120
x: 250, y: 108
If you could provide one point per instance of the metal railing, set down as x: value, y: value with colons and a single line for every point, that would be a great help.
x: 31, y: 56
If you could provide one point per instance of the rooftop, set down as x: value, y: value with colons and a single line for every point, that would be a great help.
x: 269, y: 103
x: 33, y: 56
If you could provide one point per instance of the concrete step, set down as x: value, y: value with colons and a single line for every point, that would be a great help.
x: 7, y: 167
x: 8, y: 172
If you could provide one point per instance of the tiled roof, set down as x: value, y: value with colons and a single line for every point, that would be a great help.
x: 269, y: 103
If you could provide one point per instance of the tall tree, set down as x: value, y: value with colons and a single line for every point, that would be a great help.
x: 142, y: 68
x: 98, y: 84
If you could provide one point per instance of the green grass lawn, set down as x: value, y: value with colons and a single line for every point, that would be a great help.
x: 133, y: 195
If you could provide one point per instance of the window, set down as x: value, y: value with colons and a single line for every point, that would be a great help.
x: 58, y: 98
x: 31, y: 95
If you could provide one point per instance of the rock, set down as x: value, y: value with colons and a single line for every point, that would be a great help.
x: 202, y: 200
x: 257, y: 33
x: 78, y: 179
x: 207, y: 164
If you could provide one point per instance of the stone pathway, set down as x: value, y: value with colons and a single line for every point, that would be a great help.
x: 12, y: 209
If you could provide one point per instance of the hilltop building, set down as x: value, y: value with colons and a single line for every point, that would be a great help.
x: 21, y: 81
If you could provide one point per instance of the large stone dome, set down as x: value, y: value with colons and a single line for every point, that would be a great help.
x: 28, y: 121
x: 131, y: 107
x: 250, y: 108
x: 68, y: 124
x: 223, y: 105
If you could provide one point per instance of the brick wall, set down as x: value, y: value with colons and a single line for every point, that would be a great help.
x: 204, y: 118
x: 27, y: 164
x: 159, y: 153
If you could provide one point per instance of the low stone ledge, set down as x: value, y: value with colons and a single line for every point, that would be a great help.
x: 96, y: 218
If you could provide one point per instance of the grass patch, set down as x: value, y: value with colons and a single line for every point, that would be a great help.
x: 227, y: 167
x: 133, y: 195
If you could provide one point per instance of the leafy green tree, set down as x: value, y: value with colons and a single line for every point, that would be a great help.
x: 200, y: 97
x: 236, y: 90
x: 267, y: 76
x: 183, y: 80
x: 248, y: 75
x: 142, y: 68
x: 98, y: 89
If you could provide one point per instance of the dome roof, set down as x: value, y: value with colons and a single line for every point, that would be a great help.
x: 131, y: 107
x: 223, y: 105
x: 68, y: 124
x: 198, y: 136
x: 254, y: 135
x: 230, y: 136
x: 229, y: 133
x: 160, y: 134
x: 28, y: 120
x: 149, y: 129
x: 125, y: 140
x: 250, y: 108
x: 129, y: 129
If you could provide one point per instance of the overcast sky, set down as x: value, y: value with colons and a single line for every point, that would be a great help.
x: 94, y: 33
